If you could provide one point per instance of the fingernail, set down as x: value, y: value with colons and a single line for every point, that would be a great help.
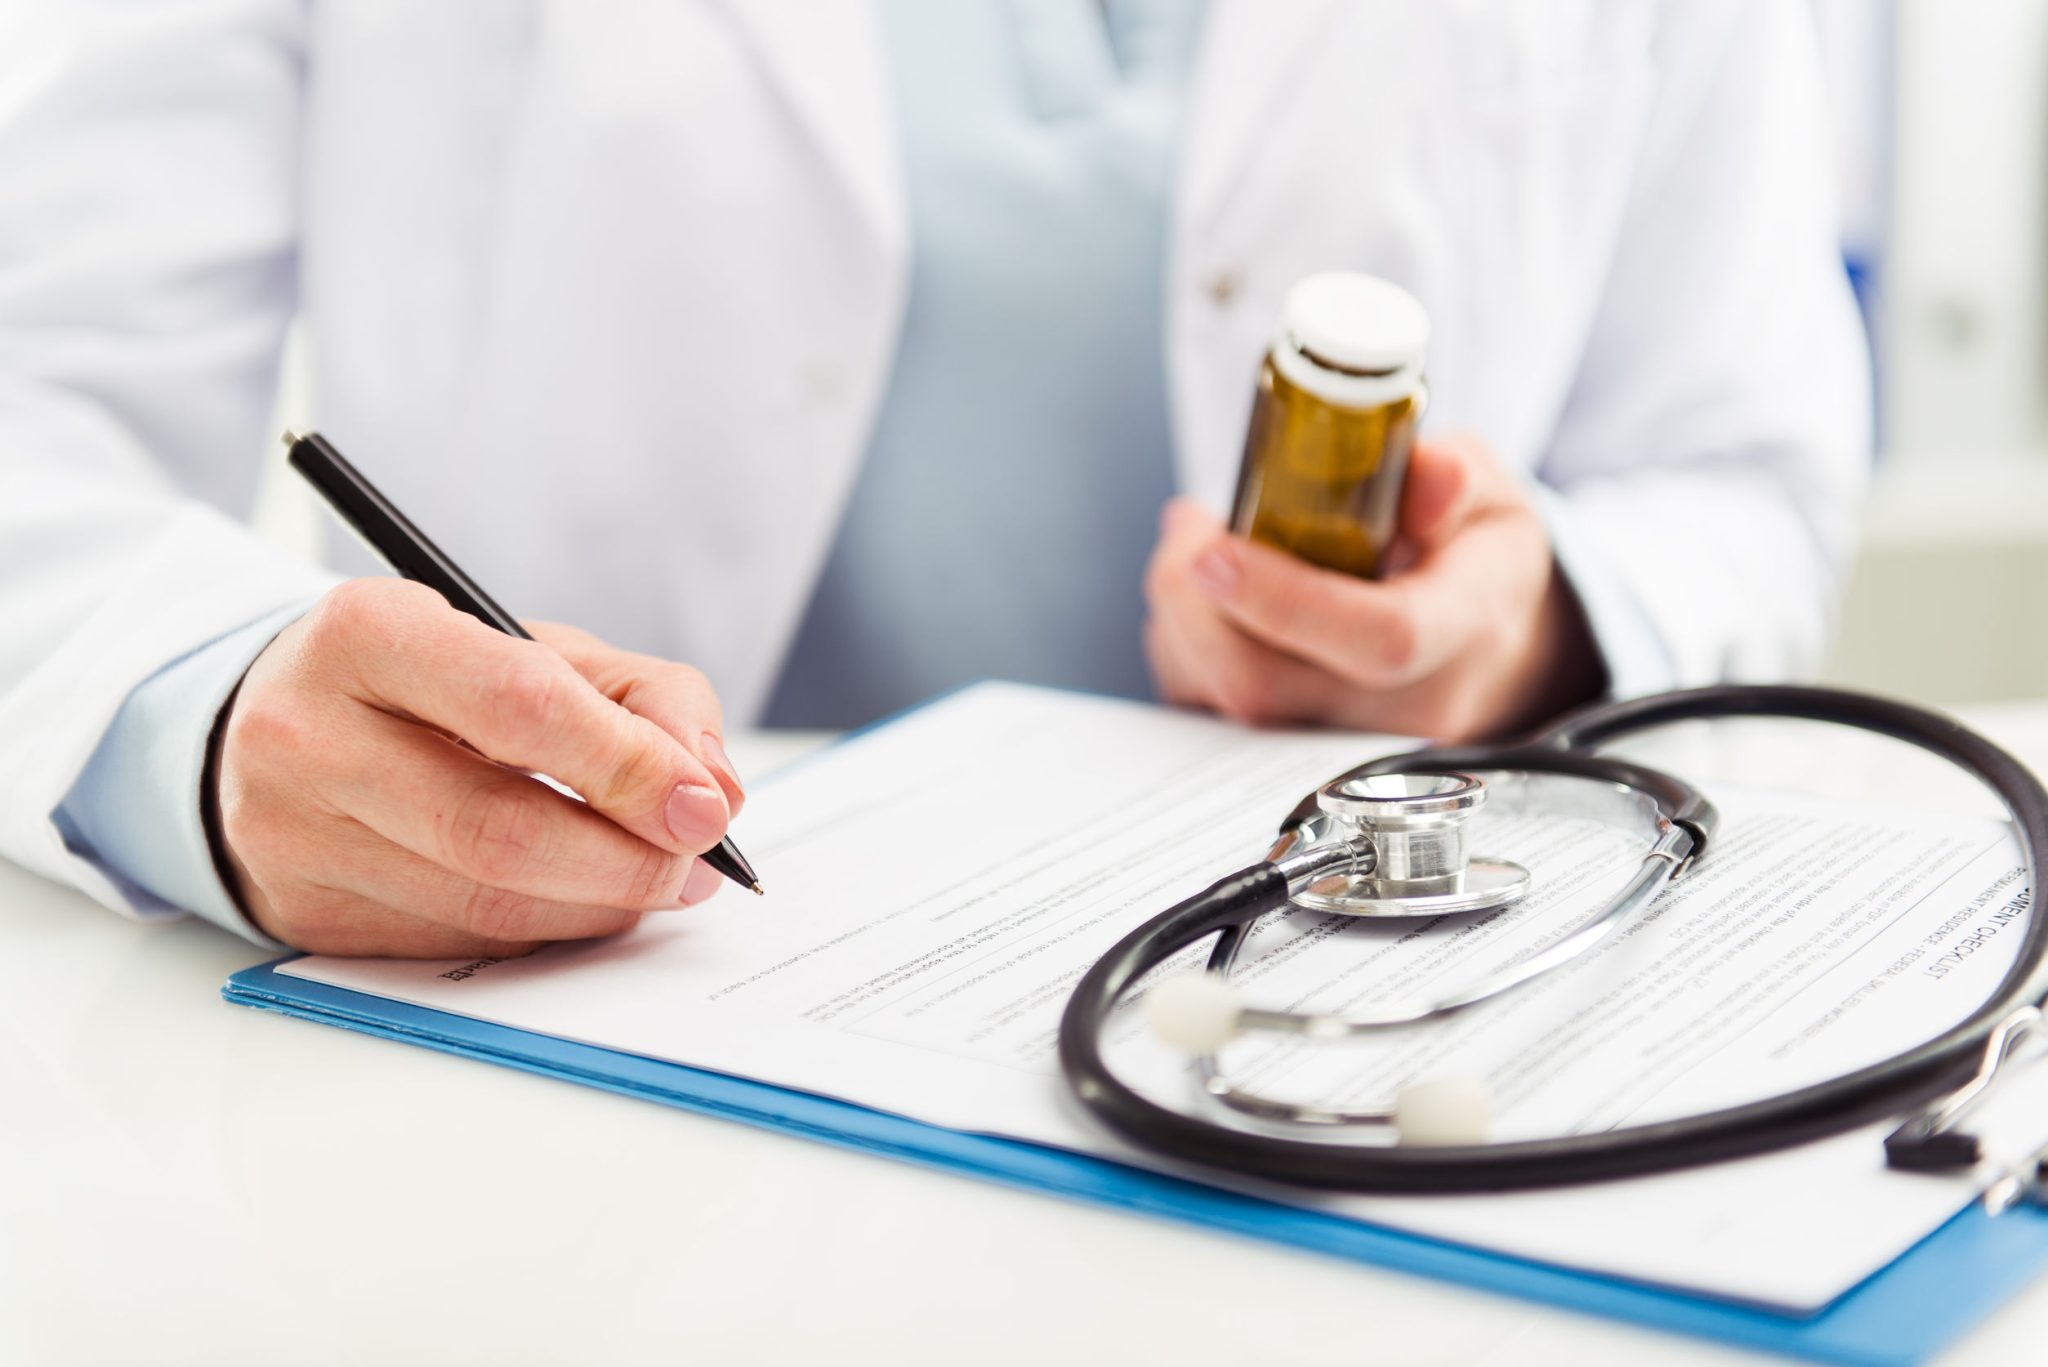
x: 713, y: 751
x: 702, y: 882
x: 695, y: 814
x: 1216, y: 571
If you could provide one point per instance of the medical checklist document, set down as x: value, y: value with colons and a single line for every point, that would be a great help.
x: 1028, y: 829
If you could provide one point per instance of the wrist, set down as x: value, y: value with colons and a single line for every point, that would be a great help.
x: 225, y: 865
x: 1565, y: 668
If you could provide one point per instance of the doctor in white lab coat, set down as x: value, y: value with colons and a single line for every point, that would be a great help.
x: 608, y: 296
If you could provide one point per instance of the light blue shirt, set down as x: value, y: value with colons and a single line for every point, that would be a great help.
x: 1002, y: 520
x: 135, y: 809
x: 1011, y: 492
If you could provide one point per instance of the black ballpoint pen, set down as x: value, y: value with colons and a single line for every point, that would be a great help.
x: 407, y: 550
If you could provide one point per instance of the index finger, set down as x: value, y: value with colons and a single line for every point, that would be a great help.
x: 520, y: 703
x: 675, y: 697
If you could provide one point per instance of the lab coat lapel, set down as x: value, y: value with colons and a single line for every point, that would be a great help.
x: 802, y: 442
x: 828, y: 62
x: 1252, y: 57
x: 1250, y: 51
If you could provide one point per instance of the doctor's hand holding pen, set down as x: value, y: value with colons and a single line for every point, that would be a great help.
x: 1472, y: 631
x: 373, y: 793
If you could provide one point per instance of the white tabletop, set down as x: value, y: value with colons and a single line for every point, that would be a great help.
x: 186, y: 1181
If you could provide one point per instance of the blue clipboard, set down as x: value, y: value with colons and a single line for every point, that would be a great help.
x: 1905, y: 1313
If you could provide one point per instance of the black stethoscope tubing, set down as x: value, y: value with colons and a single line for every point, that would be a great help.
x: 1866, y: 1095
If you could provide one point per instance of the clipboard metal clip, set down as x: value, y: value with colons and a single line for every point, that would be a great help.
x: 2026, y: 1184
x: 1933, y: 1140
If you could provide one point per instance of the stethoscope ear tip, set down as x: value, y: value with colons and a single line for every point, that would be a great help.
x: 1194, y: 1013
x: 1453, y: 1110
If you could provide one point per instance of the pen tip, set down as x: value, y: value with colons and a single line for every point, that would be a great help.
x: 290, y: 438
x: 758, y: 890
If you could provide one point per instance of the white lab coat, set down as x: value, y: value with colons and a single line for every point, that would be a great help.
x: 606, y: 295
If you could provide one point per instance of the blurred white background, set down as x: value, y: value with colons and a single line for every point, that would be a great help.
x: 1941, y: 111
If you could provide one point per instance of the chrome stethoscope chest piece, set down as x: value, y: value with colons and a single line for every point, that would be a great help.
x: 1415, y: 826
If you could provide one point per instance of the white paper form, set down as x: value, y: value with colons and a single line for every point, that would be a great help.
x: 937, y: 887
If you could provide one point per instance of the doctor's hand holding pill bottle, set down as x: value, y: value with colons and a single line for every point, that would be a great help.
x: 374, y: 793
x: 1366, y: 580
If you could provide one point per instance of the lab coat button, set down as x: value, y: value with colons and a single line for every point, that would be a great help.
x: 820, y: 382
x: 1223, y: 285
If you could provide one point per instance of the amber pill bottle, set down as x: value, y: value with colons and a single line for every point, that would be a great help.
x: 1339, y: 396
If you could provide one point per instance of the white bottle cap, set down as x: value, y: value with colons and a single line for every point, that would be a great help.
x: 1351, y: 339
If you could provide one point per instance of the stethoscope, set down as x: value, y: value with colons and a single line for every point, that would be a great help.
x: 1388, y: 839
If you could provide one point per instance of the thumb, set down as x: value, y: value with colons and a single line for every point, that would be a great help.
x: 1437, y: 496
x: 1183, y: 519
